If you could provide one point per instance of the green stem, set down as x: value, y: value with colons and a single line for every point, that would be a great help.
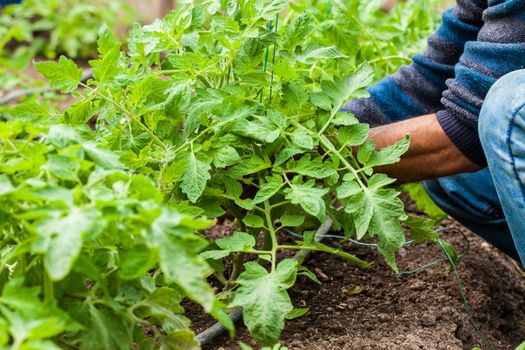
x: 280, y: 204
x: 354, y: 259
x: 273, y: 234
x: 49, y: 293
x: 331, y: 148
x: 129, y: 115
x: 370, y: 36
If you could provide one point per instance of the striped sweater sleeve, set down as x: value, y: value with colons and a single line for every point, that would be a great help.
x: 417, y: 89
x: 498, y: 50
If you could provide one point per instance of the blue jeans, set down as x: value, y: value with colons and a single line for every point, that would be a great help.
x: 491, y: 202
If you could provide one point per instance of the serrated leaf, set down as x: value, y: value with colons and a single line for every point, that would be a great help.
x: 238, y: 242
x: 320, y: 54
x: 64, y: 74
x: 348, y: 189
x: 421, y: 229
x: 178, y: 257
x: 297, y: 32
x: 341, y: 90
x: 248, y: 166
x: 226, y: 156
x: 106, y: 67
x: 354, y: 135
x: 343, y: 118
x: 106, y: 40
x: 267, y: 190
x: 63, y: 167
x: 302, y: 139
x: 271, y: 9
x: 257, y: 131
x: 61, y: 239
x: 378, y: 211
x: 195, y: 177
x: 311, y: 167
x: 102, y: 157
x: 264, y: 299
x: 309, y: 198
x: 389, y: 155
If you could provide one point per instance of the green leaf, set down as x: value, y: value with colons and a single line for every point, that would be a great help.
x: 106, y: 67
x: 321, y: 100
x: 226, y: 156
x: 214, y: 254
x: 195, y: 177
x: 297, y: 313
x: 5, y: 185
x: 106, y: 40
x: 102, y: 157
x: 179, y: 260
x: 248, y: 166
x: 449, y: 251
x: 264, y: 299
x: 253, y: 221
x: 297, y: 31
x: 32, y: 110
x: 64, y: 74
x: 286, y: 154
x: 348, y: 189
x: 238, y: 242
x: 311, y: 167
x: 341, y: 90
x: 378, y: 211
x: 354, y: 135
x: 320, y: 54
x: 60, y: 239
x: 424, y: 202
x: 309, y: 198
x: 302, y: 139
x: 292, y: 220
x: 389, y: 155
x: 345, y: 119
x: 63, y: 136
x: 63, y: 167
x: 268, y: 189
x: 257, y: 131
x: 135, y: 262
x: 421, y: 229
x: 271, y: 9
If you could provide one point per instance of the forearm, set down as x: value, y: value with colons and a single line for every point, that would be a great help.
x: 431, y: 153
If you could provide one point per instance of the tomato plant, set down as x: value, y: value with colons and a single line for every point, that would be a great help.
x: 222, y: 107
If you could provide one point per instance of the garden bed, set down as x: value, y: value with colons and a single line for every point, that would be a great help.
x: 420, y: 311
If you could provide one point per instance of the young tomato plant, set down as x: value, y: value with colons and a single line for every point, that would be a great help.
x: 233, y: 107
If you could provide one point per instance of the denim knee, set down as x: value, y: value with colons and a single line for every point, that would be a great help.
x: 502, y: 102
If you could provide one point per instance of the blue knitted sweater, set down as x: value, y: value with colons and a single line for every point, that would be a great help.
x: 478, y: 42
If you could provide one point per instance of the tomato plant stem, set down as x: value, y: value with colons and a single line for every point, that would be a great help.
x: 129, y: 115
x: 271, y: 231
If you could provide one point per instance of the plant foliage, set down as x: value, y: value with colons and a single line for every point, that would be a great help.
x: 221, y: 108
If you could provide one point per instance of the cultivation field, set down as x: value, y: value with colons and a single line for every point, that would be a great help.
x: 159, y: 182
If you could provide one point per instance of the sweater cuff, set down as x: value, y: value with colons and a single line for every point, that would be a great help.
x: 464, y: 137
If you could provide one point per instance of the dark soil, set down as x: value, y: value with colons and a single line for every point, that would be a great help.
x: 374, y: 309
